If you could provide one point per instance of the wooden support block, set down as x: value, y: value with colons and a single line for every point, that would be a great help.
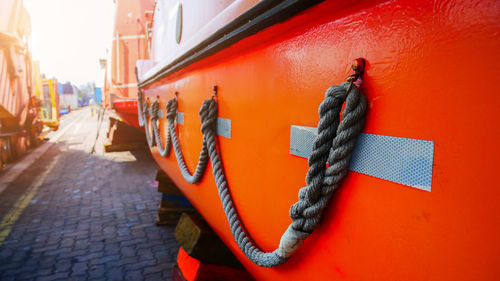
x: 124, y: 147
x: 121, y: 133
x: 173, y: 203
x: 165, y: 184
x: 200, y: 242
x: 171, y: 208
x: 171, y: 216
x: 112, y: 127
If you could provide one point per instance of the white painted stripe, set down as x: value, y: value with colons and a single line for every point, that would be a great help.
x: 117, y: 57
x: 130, y: 37
x: 10, y: 219
x: 120, y: 86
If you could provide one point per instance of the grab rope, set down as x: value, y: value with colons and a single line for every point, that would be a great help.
x: 142, y: 111
x: 333, y: 147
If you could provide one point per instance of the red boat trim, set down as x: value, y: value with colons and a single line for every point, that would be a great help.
x: 189, y: 266
x: 257, y: 18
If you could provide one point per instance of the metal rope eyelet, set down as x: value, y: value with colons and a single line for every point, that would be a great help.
x: 214, y: 94
x: 359, y: 68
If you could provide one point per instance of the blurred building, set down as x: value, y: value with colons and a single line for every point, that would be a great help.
x: 68, y: 96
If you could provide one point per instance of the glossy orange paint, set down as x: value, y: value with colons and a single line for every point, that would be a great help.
x: 431, y: 75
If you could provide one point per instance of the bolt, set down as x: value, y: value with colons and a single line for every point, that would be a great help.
x: 358, y: 65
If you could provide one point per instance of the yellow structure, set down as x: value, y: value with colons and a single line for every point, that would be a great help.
x: 50, y: 103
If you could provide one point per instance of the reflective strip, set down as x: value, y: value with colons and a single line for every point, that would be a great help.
x: 224, y: 127
x: 301, y: 140
x: 160, y: 112
x: 401, y: 160
x: 180, y: 118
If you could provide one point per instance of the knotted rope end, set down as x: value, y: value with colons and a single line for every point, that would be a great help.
x: 290, y: 241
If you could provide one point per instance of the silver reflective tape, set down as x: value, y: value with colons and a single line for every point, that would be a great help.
x: 402, y: 160
x: 180, y: 118
x: 160, y: 112
x: 301, y: 140
x: 224, y: 127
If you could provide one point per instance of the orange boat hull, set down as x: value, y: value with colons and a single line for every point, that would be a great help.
x: 430, y: 76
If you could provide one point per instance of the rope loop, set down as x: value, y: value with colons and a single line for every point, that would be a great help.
x: 143, y: 112
x: 332, y: 147
x: 208, y: 114
x: 171, y: 110
x: 139, y: 108
x: 155, y: 109
x: 340, y: 137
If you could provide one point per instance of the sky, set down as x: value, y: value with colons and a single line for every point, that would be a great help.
x: 69, y: 37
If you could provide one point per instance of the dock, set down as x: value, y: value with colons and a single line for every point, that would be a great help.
x: 76, y: 215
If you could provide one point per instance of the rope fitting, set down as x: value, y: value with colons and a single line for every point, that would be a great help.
x: 342, y: 119
x: 214, y: 94
x: 145, y: 107
x: 155, y: 109
x: 358, y: 66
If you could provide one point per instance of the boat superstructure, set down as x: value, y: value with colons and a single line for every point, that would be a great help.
x: 130, y: 43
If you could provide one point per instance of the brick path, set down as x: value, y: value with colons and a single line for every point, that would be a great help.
x: 91, y: 219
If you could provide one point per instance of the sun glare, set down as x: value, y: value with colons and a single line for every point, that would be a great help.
x: 69, y: 36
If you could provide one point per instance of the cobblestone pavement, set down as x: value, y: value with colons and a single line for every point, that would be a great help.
x: 92, y: 216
